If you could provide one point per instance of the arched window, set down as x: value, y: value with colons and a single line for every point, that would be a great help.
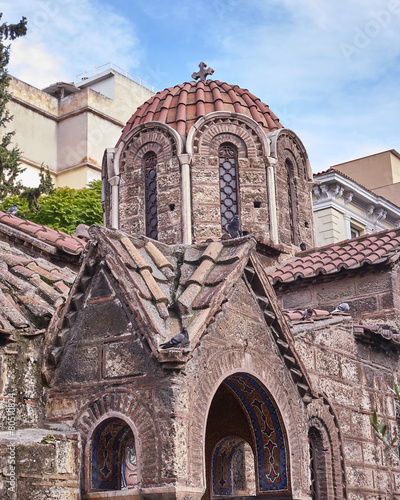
x: 150, y: 167
x: 113, y: 456
x: 228, y: 183
x: 292, y: 202
x: 320, y: 465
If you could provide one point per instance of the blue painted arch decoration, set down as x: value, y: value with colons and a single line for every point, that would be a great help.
x: 270, y: 439
x: 113, y: 456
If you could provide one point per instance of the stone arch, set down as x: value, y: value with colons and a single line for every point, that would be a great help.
x: 157, y: 132
x: 126, y: 406
x: 166, y: 144
x: 324, y: 435
x: 295, y: 219
x: 112, y: 455
x: 225, y: 468
x: 221, y: 366
x: 286, y: 140
x: 243, y: 131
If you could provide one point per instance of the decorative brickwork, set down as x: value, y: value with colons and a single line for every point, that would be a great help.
x: 328, y: 459
x: 131, y: 414
x: 295, y: 218
x: 208, y: 137
x: 132, y: 192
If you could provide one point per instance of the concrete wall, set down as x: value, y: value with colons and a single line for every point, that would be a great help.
x: 376, y: 172
x: 329, y: 227
x: 71, y: 132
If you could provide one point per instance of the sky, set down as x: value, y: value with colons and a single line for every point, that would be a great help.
x: 329, y: 70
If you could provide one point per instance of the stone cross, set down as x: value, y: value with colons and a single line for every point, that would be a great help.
x: 203, y: 73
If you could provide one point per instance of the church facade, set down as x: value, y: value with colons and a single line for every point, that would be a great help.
x: 263, y: 400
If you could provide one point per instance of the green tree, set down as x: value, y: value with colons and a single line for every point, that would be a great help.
x: 9, y: 157
x: 390, y: 439
x: 63, y: 209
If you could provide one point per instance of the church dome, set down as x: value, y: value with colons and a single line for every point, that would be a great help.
x: 182, y: 105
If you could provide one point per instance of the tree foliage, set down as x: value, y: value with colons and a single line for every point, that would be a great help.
x: 9, y: 157
x: 388, y: 437
x: 63, y: 209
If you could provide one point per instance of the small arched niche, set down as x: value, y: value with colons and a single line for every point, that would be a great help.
x: 246, y: 444
x: 232, y: 468
x: 113, y: 457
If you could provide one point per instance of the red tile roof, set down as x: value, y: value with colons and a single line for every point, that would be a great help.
x: 30, y: 291
x: 350, y: 254
x: 50, y: 240
x: 182, y: 105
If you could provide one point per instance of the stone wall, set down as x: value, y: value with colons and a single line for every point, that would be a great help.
x: 372, y: 295
x: 356, y: 378
x: 206, y: 202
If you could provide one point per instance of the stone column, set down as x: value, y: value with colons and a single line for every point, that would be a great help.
x: 186, y: 199
x: 272, y: 204
x: 114, y: 219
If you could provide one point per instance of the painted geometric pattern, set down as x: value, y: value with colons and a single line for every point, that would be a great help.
x: 270, y: 438
x: 108, y: 452
x: 222, y: 465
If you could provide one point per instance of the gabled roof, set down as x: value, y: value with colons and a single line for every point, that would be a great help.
x: 31, y: 289
x: 371, y: 249
x: 168, y: 287
x: 41, y: 239
x: 171, y: 286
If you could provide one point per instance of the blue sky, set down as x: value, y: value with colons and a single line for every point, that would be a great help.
x: 329, y: 70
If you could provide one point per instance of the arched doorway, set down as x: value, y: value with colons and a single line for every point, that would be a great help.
x: 113, y: 457
x: 244, y: 416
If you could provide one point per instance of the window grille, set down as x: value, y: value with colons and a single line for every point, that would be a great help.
x: 292, y: 202
x: 150, y: 165
x: 228, y: 183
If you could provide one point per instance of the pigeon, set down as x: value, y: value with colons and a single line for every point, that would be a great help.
x: 307, y: 313
x: 179, y: 340
x: 342, y: 308
x: 234, y: 228
x: 13, y: 210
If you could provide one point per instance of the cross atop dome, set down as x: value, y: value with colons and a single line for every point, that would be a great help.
x: 203, y: 73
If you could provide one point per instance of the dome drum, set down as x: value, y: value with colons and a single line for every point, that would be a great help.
x: 187, y: 128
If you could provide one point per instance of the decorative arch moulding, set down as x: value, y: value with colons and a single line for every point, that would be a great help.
x: 219, y: 122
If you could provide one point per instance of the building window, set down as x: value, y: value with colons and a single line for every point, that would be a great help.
x: 312, y: 471
x: 150, y: 166
x: 355, y: 233
x: 228, y: 183
x: 292, y: 202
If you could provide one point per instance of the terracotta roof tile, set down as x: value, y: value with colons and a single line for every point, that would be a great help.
x: 204, y: 273
x: 350, y: 254
x: 30, y: 288
x: 38, y: 233
x: 182, y: 105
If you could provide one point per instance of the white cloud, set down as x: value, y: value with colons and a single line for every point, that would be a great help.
x: 67, y: 37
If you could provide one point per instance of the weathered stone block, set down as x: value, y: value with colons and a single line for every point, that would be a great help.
x: 349, y: 369
x: 352, y: 451
x: 205, y: 176
x: 356, y: 476
x: 327, y: 363
x: 206, y: 194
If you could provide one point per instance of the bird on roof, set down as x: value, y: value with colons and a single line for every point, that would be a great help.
x: 342, y: 308
x: 179, y: 340
x: 307, y: 313
x: 13, y: 210
x: 234, y: 228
